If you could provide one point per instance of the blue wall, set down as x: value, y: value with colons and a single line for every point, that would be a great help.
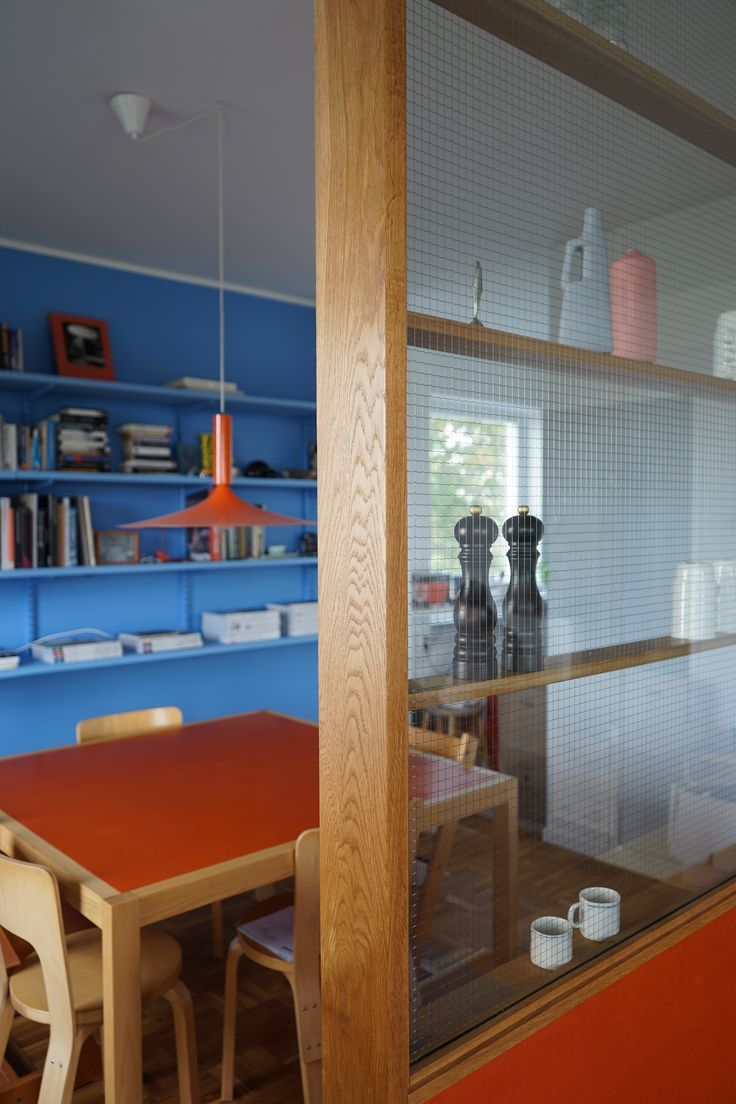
x: 160, y: 329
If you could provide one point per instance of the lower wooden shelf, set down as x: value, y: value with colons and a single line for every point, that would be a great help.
x: 443, y: 690
x: 36, y: 668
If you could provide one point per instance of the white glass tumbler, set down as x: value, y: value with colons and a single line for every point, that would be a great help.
x: 694, y: 602
x: 725, y: 574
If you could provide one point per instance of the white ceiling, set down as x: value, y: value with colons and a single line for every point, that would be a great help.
x: 71, y: 180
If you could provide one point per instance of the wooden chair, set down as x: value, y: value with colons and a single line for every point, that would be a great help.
x: 61, y: 984
x: 117, y: 726
x: 120, y: 726
x: 283, y: 934
x: 463, y: 750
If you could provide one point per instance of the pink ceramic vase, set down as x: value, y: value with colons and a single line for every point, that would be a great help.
x: 633, y: 283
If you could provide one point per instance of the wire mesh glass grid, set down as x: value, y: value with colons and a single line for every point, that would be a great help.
x: 571, y: 400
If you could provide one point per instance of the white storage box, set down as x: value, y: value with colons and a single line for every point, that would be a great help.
x: 241, y: 626
x: 297, y: 618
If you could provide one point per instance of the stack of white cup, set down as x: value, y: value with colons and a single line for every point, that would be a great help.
x: 704, y: 599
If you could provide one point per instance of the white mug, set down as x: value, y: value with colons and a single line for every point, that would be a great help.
x: 694, y: 602
x: 725, y: 573
x: 600, y: 913
x: 551, y: 942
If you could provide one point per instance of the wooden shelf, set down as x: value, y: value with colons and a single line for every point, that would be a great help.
x: 113, y: 391
x: 162, y: 479
x: 469, y: 339
x: 568, y: 46
x: 175, y: 568
x: 36, y: 668
x: 442, y: 690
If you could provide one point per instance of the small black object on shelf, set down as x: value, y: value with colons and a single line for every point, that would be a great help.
x: 475, y: 611
x: 523, y: 608
x: 259, y: 469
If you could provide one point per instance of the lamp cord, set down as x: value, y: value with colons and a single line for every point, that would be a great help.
x: 221, y: 249
x: 179, y: 126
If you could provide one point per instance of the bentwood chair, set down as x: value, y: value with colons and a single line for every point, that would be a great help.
x: 282, y: 933
x: 462, y: 749
x: 120, y: 726
x: 61, y: 984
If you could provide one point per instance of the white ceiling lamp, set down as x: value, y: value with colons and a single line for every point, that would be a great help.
x: 131, y: 110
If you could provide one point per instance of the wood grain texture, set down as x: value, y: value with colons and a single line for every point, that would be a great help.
x: 478, y: 1047
x: 361, y: 425
x: 122, y: 1001
x: 443, y: 335
x: 567, y: 45
x: 441, y: 689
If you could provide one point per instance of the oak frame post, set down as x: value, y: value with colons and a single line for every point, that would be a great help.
x: 361, y: 416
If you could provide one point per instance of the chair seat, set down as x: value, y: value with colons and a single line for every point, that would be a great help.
x: 160, y: 968
x: 272, y: 931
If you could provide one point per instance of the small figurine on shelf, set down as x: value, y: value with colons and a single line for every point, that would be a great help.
x: 475, y: 611
x: 523, y: 606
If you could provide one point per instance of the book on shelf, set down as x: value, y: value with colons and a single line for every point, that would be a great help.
x: 146, y: 448
x: 76, y: 649
x: 82, y: 440
x: 7, y: 535
x: 297, y: 618
x: 197, y: 383
x: 11, y: 349
x: 160, y: 640
x: 8, y: 660
x: 42, y: 530
x: 241, y: 626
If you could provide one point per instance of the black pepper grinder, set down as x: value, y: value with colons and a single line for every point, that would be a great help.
x: 523, y: 606
x: 475, y: 610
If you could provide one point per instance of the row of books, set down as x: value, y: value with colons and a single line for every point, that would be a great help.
x: 147, y: 448
x: 28, y: 448
x: 237, y: 627
x: 82, y: 442
x: 43, y: 530
x: 11, y: 348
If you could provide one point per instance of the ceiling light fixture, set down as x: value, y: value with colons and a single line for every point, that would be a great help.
x: 222, y: 508
x: 131, y: 110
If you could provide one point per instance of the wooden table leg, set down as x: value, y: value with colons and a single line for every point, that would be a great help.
x: 504, y: 843
x: 121, y: 951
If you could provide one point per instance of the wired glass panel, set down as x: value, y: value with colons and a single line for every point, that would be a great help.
x: 571, y: 352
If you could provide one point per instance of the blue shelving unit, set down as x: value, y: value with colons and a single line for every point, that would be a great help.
x: 154, y: 594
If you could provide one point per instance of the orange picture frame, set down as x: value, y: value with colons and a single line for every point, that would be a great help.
x: 81, y: 347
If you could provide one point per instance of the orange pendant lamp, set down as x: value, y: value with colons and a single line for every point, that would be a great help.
x: 222, y: 508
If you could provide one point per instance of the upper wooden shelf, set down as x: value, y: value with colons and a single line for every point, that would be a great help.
x: 473, y: 340
x: 442, y: 690
x: 565, y: 44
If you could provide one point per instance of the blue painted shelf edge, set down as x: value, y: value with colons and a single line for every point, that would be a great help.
x: 104, y: 570
x: 164, y: 396
x: 36, y: 668
x: 150, y: 480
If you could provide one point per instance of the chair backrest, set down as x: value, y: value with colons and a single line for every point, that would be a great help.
x: 30, y: 908
x: 117, y: 726
x: 461, y: 749
x: 306, y: 943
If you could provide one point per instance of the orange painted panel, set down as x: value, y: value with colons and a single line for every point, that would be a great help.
x: 143, y: 809
x: 663, y: 1034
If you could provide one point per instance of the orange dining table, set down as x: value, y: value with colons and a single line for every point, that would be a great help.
x: 141, y: 829
x: 145, y: 828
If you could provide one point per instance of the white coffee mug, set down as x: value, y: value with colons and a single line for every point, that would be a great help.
x: 600, y: 913
x: 551, y: 942
x: 725, y: 573
x: 694, y: 602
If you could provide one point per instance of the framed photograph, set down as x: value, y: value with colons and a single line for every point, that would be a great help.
x: 116, y: 546
x: 81, y: 347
